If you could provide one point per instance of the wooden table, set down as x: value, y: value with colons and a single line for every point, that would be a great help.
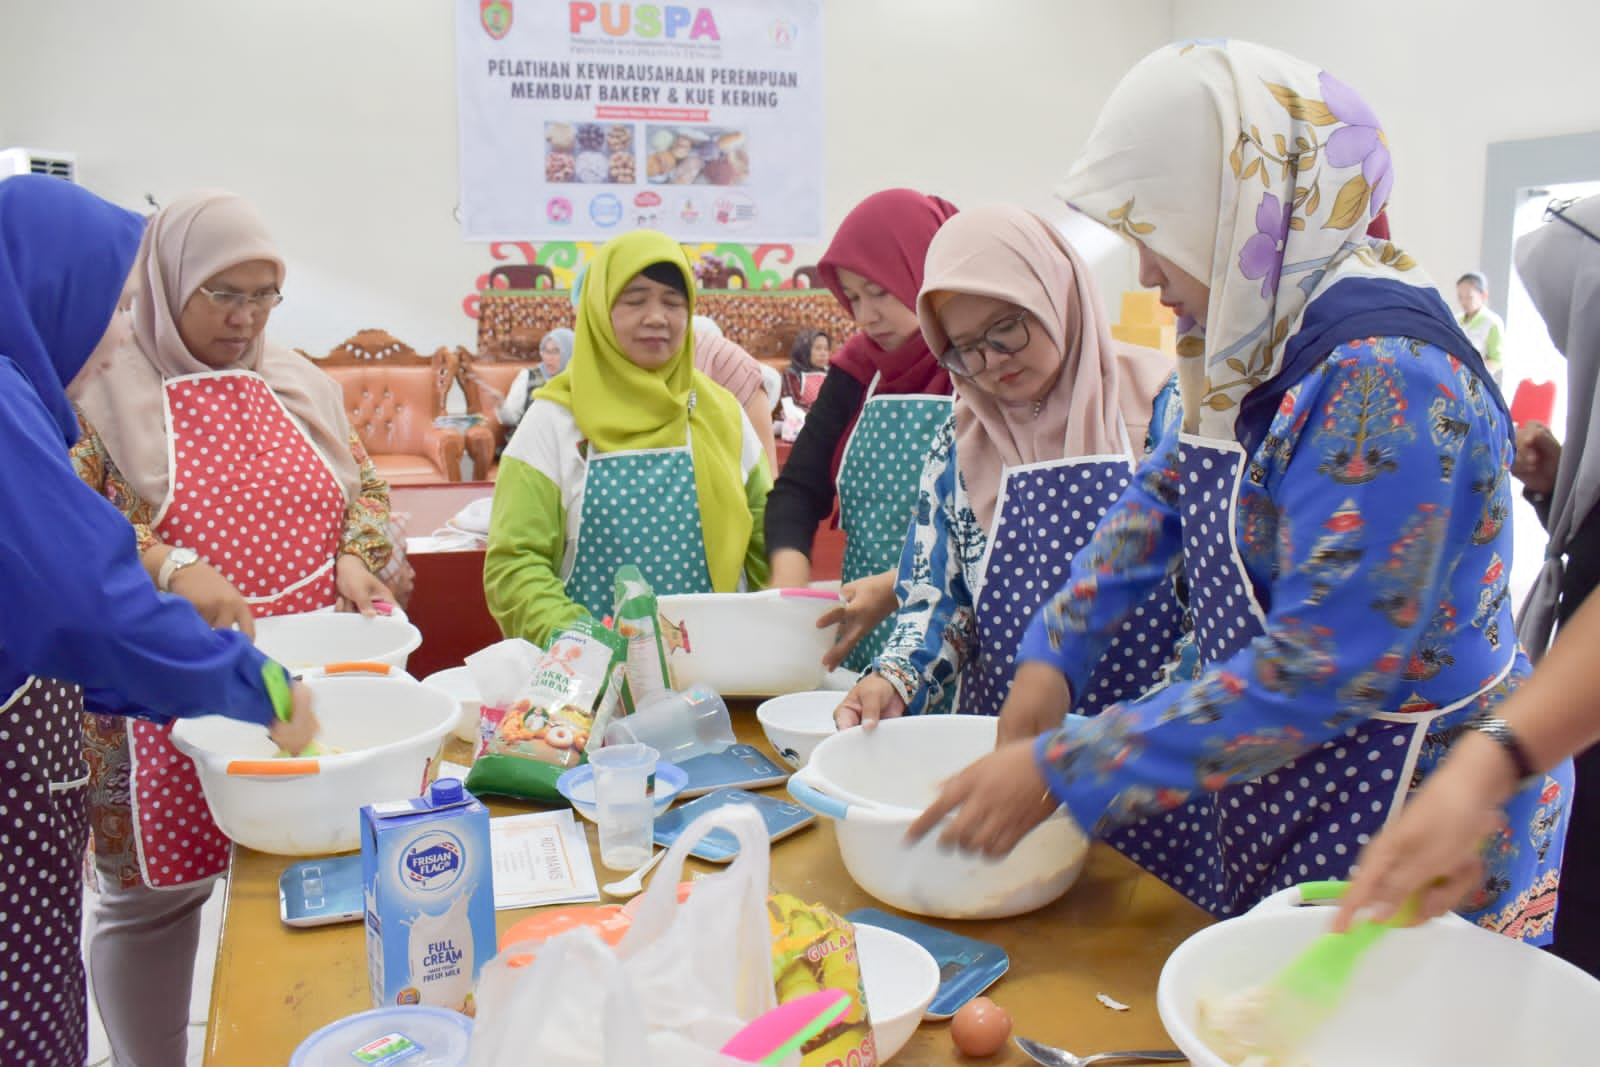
x: 1110, y: 934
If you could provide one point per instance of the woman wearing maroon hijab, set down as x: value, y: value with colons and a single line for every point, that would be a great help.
x: 868, y: 433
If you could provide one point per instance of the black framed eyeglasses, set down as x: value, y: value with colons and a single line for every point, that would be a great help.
x: 1557, y: 209
x: 1004, y: 338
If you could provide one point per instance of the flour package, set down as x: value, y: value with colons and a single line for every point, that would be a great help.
x: 429, y: 898
x: 533, y: 726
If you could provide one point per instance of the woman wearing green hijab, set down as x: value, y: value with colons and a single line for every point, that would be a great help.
x: 630, y: 456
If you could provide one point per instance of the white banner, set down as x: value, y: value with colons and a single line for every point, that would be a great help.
x: 587, y: 119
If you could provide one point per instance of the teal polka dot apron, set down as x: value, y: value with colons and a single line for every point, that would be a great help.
x: 640, y: 508
x: 878, y: 477
x: 1308, y: 819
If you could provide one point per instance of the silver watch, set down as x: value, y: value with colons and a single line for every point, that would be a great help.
x: 177, y: 559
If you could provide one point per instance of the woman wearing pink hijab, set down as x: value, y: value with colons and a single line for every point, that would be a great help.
x: 251, y: 497
x: 868, y: 433
x: 1050, y: 418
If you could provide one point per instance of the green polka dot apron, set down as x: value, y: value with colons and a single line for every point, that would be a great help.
x: 1046, y: 512
x: 878, y: 476
x: 1306, y: 820
x: 639, y: 508
x: 44, y: 825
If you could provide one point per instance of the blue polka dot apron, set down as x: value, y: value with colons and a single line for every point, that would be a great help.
x: 1307, y: 820
x: 1046, y: 512
x: 877, y: 483
x: 640, y: 508
x: 44, y: 825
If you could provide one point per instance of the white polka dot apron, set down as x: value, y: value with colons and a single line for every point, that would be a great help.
x: 1308, y: 819
x: 639, y: 508
x: 877, y: 483
x: 1046, y: 512
x: 260, y: 503
x: 44, y: 824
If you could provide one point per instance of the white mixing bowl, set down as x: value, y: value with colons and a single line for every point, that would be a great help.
x: 1442, y: 994
x: 901, y: 978
x: 749, y: 644
x: 389, y: 729
x: 321, y: 638
x: 875, y: 784
x: 795, y: 724
x: 457, y: 681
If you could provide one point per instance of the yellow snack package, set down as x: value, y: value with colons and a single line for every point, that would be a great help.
x: 812, y: 949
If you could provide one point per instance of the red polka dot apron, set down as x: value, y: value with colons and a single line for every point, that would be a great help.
x: 1308, y: 819
x: 1046, y: 512
x: 639, y: 508
x: 258, y: 501
x: 877, y: 483
x: 44, y: 825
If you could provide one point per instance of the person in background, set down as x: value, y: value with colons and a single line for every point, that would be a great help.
x: 212, y: 441
x: 554, y: 352
x: 1485, y: 329
x: 808, y: 367
x: 80, y: 609
x: 630, y: 456
x: 1559, y: 263
x: 737, y: 371
x: 1039, y: 445
x: 866, y: 437
x: 1337, y: 502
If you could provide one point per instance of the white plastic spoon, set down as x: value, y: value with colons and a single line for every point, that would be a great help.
x: 633, y: 883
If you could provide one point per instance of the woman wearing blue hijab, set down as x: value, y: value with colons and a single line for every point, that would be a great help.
x: 78, y: 607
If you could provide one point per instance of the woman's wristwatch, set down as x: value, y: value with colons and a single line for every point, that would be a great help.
x: 1499, y: 731
x: 177, y: 559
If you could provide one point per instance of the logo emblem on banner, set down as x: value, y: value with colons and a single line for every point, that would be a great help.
x: 558, y: 210
x: 496, y: 17
x: 605, y: 210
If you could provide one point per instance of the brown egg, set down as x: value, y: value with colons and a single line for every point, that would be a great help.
x: 980, y: 1028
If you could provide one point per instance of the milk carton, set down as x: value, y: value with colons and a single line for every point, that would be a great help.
x: 428, y: 875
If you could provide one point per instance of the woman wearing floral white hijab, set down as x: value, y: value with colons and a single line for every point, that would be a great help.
x: 1336, y: 498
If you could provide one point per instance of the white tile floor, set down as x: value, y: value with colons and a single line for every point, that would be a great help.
x: 199, y: 1000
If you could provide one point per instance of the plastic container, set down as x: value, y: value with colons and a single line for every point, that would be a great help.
x: 324, y: 638
x: 749, y: 644
x: 1436, y: 995
x: 577, y: 785
x: 796, y: 724
x: 389, y: 728
x: 415, y: 1035
x: 901, y: 978
x: 626, y: 815
x: 874, y: 785
x: 457, y: 681
x: 677, y: 725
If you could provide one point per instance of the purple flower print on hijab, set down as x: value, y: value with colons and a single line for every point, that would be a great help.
x: 1262, y: 255
x: 1360, y: 140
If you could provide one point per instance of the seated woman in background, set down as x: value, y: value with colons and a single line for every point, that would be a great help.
x: 883, y: 398
x: 808, y: 366
x: 250, y: 496
x: 631, y: 456
x: 740, y: 373
x: 1041, y: 442
x: 1337, y: 502
x: 554, y: 352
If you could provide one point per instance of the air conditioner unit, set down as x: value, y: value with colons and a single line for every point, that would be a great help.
x: 15, y: 161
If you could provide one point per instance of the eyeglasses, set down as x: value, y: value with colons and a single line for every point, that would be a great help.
x: 1557, y: 209
x: 1005, y: 338
x: 224, y: 300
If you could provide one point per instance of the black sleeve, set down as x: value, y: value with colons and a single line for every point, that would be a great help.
x: 803, y: 494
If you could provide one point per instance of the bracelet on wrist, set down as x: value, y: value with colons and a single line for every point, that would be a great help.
x: 1500, y: 732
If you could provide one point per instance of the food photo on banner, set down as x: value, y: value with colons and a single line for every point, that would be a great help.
x: 700, y: 120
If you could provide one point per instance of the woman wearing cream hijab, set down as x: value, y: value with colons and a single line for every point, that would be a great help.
x: 250, y: 497
x: 1050, y: 418
x: 1336, y: 502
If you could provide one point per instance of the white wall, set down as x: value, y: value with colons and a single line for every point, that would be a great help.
x: 338, y: 119
x: 1447, y: 78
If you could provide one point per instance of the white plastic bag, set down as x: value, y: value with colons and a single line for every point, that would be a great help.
x: 684, y: 980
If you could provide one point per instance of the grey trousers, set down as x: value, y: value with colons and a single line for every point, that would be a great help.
x: 142, y: 946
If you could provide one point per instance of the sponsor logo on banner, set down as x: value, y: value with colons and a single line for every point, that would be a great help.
x: 734, y: 210
x: 782, y: 33
x: 605, y: 210
x: 648, y: 21
x: 496, y: 17
x: 648, y: 198
x: 558, y: 210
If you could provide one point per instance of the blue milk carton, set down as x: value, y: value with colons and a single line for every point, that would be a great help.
x: 429, y: 881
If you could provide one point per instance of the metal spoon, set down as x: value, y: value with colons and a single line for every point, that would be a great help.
x: 633, y: 883
x: 1055, y: 1057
